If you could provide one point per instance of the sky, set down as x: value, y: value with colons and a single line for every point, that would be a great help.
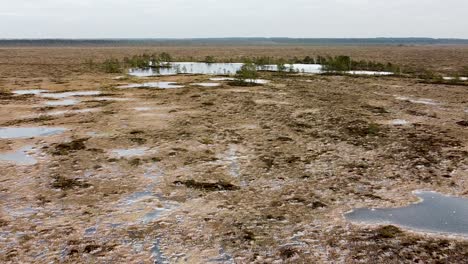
x: 233, y: 18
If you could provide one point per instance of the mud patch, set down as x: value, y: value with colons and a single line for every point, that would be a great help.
x: 208, y: 186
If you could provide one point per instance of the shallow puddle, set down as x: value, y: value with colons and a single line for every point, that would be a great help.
x: 369, y: 73
x: 69, y: 94
x: 222, y: 79
x: 399, y: 122
x: 434, y: 213
x: 206, y: 84
x: 142, y: 109
x: 455, y: 78
x: 29, y: 92
x: 66, y: 102
x: 81, y: 111
x: 111, y: 99
x: 417, y: 101
x: 28, y: 132
x: 160, y: 85
x: 126, y: 153
x: 233, y: 162
x: 257, y: 81
x: 19, y: 157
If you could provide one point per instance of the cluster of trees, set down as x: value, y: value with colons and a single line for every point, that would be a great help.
x: 247, y: 74
x: 146, y: 60
x: 114, y: 65
x: 345, y: 63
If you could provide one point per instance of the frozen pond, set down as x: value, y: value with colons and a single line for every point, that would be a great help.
x: 28, y: 132
x: 19, y: 157
x: 160, y: 85
x: 27, y: 92
x: 434, y: 213
x: 69, y: 94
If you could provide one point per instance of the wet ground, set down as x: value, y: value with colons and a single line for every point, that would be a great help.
x: 434, y: 213
x: 227, y: 174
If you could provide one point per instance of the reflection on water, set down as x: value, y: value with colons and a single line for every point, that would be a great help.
x: 435, y: 213
x: 231, y: 68
x: 189, y: 68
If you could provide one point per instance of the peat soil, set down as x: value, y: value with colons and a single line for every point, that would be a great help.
x: 230, y: 174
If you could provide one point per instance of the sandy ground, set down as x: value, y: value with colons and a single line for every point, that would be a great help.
x: 228, y: 174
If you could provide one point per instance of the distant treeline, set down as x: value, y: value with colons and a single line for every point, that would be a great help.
x: 233, y: 41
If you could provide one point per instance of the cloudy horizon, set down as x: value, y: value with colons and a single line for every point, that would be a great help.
x: 241, y: 18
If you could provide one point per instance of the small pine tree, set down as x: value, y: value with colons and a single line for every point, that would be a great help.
x: 247, y: 74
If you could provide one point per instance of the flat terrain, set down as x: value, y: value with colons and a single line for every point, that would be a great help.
x: 228, y: 174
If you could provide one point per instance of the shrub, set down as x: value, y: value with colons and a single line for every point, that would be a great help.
x: 165, y: 57
x: 210, y: 59
x: 337, y: 64
x: 112, y: 66
x: 281, y: 67
x: 248, y: 73
x: 262, y: 61
x: 388, y: 231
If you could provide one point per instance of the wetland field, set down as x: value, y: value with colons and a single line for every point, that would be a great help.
x: 104, y: 163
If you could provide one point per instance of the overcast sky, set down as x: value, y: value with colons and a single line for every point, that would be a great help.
x: 232, y: 18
